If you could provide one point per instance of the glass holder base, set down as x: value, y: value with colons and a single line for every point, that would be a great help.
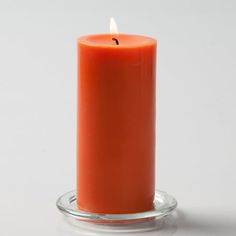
x: 164, y: 204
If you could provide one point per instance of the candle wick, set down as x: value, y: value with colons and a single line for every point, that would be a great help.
x: 116, y: 40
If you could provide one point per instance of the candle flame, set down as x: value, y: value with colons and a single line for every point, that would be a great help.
x: 113, y: 26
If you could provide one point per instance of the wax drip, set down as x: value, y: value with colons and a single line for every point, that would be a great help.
x: 116, y: 40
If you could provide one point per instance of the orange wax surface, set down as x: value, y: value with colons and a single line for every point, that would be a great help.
x: 116, y: 123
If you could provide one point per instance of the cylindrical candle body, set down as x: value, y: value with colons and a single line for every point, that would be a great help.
x: 116, y: 124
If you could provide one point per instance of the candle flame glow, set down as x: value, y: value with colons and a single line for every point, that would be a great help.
x: 113, y: 26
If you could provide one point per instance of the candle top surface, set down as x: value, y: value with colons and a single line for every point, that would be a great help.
x: 116, y: 41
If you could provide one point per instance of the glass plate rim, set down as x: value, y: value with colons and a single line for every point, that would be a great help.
x: 164, y: 204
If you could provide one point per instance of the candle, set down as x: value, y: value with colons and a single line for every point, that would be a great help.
x: 116, y: 123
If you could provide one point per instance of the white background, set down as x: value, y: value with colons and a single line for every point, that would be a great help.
x: 196, y: 100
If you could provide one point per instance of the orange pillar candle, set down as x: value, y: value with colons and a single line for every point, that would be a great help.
x: 116, y: 123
